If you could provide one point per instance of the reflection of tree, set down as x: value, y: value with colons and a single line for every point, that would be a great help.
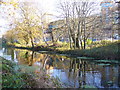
x: 26, y: 57
x: 119, y: 76
x: 12, y: 54
x: 87, y: 73
x: 45, y: 61
x: 84, y: 73
x: 56, y: 61
x: 51, y: 61
x: 31, y: 59
x: 79, y: 71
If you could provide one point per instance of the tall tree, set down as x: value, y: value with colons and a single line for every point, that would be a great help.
x: 27, y: 25
x: 76, y: 15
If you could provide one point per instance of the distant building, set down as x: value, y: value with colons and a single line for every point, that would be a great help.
x: 47, y: 27
x: 109, y: 13
x: 60, y: 31
x: 106, y: 10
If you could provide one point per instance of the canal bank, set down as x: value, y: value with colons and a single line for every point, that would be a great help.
x: 109, y: 52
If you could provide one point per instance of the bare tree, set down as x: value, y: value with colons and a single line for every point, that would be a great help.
x: 76, y: 16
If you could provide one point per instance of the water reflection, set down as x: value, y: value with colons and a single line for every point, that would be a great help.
x: 71, y: 71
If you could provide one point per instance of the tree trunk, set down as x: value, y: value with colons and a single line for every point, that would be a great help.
x: 32, y: 41
x: 84, y: 34
x: 52, y: 37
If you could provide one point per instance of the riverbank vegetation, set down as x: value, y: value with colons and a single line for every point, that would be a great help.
x: 108, y: 51
x: 98, y: 50
x: 13, y: 77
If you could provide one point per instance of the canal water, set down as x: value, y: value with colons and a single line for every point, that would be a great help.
x: 72, y: 72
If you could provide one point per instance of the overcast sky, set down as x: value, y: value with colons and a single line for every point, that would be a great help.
x: 51, y: 5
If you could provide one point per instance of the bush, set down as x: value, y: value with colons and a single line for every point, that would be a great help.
x: 12, y: 78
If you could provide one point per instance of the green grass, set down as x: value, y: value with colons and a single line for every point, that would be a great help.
x: 106, y: 51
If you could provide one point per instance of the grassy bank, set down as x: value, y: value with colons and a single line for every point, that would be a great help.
x: 104, y: 51
x: 12, y: 77
x: 109, y: 51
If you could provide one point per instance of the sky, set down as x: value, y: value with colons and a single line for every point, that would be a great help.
x: 51, y: 5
